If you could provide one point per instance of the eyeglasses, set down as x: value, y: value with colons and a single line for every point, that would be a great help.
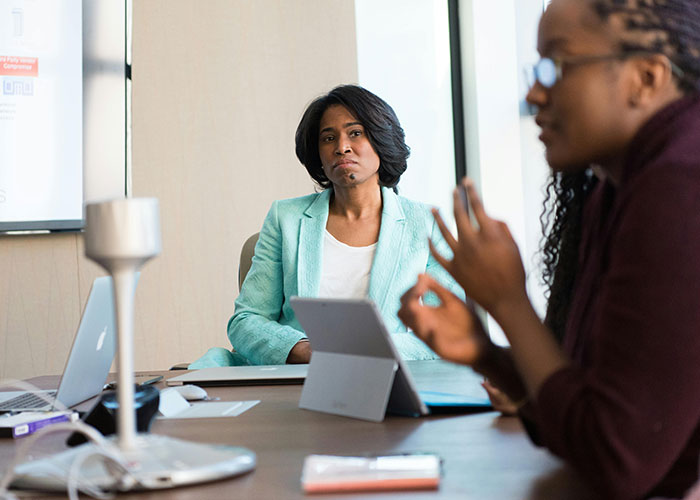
x: 550, y: 70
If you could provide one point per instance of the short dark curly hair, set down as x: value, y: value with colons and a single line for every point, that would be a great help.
x: 381, y: 125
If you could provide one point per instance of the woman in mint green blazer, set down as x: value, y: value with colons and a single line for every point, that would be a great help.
x: 352, y: 145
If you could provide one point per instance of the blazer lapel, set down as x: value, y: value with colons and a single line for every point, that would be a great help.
x: 310, y: 255
x: 387, y: 257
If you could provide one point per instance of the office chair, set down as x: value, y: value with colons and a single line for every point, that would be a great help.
x: 246, y: 260
x: 247, y: 252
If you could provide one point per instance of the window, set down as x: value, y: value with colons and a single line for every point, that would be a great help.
x: 504, y: 155
x: 403, y: 52
x: 404, y: 56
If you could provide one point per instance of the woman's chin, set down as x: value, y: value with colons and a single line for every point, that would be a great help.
x: 554, y: 160
x: 560, y: 162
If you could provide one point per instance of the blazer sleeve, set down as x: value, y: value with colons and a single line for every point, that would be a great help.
x: 254, y: 329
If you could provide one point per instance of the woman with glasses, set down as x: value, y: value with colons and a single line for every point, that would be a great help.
x: 610, y: 381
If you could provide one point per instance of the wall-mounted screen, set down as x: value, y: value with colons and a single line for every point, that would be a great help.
x: 62, y: 109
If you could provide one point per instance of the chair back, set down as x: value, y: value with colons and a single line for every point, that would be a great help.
x: 246, y: 261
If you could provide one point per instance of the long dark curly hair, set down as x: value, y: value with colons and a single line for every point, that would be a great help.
x: 669, y: 27
x: 561, y: 216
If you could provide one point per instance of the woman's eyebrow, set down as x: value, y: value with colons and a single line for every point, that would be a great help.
x: 331, y: 129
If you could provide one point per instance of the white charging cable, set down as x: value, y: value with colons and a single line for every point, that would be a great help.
x: 113, y: 461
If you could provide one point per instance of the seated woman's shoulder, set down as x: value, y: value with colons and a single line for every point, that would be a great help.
x: 413, y: 208
x: 297, y: 204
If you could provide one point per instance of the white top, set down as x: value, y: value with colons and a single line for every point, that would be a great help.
x: 346, y: 269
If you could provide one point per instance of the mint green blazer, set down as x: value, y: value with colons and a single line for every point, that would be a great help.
x: 288, y: 261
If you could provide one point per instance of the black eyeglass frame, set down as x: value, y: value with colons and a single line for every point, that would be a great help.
x: 555, y: 65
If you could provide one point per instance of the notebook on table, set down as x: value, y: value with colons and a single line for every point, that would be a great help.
x: 356, y: 371
x: 88, y: 364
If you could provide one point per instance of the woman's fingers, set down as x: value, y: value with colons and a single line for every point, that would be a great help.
x: 416, y: 315
x: 442, y: 293
x: 506, y: 230
x: 446, y: 233
x: 411, y: 304
x: 465, y: 229
x: 499, y: 400
x: 407, y: 314
x: 446, y: 264
x: 477, y: 206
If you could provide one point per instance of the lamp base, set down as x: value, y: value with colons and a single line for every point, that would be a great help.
x: 157, y: 462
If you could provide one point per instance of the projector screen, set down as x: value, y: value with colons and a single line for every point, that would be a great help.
x: 61, y: 62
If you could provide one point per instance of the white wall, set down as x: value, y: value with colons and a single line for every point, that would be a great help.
x: 404, y: 56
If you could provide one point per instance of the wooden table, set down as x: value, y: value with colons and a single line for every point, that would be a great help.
x: 485, y: 456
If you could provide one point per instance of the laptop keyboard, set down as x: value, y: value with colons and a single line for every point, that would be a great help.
x: 27, y: 400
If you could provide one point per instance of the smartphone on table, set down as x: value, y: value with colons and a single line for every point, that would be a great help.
x: 138, y: 380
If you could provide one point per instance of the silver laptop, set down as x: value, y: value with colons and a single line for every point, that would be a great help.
x: 89, y: 360
x: 356, y: 371
x: 243, y: 375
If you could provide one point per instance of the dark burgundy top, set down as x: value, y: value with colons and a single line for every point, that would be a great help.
x: 626, y: 412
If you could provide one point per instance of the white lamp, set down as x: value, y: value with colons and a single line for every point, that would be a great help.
x: 121, y: 235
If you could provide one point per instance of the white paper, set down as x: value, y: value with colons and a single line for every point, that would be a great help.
x: 173, y: 405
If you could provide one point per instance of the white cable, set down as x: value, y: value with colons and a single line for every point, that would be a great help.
x: 26, y: 445
x: 75, y: 484
x: 120, y: 473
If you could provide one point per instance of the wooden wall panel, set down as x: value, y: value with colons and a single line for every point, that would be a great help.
x: 218, y: 89
x: 39, y: 303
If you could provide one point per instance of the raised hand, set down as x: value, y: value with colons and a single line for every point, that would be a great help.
x: 486, y: 260
x: 451, y: 329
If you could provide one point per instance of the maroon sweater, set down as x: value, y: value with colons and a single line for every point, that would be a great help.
x: 626, y: 412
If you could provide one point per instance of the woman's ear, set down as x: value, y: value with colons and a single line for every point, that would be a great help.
x: 652, y: 77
